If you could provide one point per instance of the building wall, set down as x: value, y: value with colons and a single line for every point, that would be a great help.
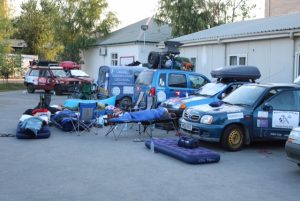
x: 281, y: 7
x: 274, y: 58
x: 93, y: 60
x: 208, y: 57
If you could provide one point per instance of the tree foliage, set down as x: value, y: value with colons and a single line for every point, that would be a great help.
x: 58, y: 29
x: 6, y: 63
x: 188, y: 16
x: 83, y: 21
x: 36, y: 25
x: 5, y: 27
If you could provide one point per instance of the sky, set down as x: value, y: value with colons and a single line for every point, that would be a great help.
x: 131, y: 11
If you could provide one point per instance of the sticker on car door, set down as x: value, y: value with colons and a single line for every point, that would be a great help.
x: 285, y: 119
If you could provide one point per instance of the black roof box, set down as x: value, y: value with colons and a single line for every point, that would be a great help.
x: 236, y: 72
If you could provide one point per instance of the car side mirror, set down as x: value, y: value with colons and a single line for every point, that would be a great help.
x: 267, y: 107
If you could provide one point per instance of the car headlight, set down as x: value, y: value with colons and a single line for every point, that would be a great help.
x: 294, y: 137
x: 206, y: 119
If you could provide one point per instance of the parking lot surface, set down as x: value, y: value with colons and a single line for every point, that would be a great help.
x: 94, y: 167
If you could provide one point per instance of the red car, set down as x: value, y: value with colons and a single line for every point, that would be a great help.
x: 51, y: 78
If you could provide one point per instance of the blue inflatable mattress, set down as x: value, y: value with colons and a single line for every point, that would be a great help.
x: 43, y: 133
x: 169, y: 147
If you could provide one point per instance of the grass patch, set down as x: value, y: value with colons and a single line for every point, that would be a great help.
x: 11, y: 86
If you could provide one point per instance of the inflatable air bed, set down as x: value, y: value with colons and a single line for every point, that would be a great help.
x: 169, y: 147
x: 43, y: 133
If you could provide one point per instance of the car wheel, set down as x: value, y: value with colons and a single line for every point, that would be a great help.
x: 58, y: 90
x: 125, y: 103
x: 298, y: 164
x: 233, y: 138
x: 30, y: 88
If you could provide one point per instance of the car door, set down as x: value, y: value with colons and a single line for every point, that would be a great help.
x: 177, y: 85
x: 278, y: 115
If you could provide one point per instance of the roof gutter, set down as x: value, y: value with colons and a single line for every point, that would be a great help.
x: 123, y: 43
x: 240, y: 38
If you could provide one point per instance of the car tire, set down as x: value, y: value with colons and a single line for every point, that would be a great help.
x: 153, y: 58
x: 233, y: 138
x: 125, y: 103
x: 30, y: 88
x: 58, y: 90
x: 298, y: 164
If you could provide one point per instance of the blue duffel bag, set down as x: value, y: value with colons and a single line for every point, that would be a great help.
x: 65, y: 120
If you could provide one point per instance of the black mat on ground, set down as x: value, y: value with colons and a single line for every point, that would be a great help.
x: 169, y: 147
x: 43, y: 133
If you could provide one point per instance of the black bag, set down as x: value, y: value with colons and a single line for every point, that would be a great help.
x: 188, y: 142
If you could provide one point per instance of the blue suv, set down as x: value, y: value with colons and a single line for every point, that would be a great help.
x: 167, y: 83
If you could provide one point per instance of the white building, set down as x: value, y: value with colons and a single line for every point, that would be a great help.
x: 126, y: 45
x: 272, y: 44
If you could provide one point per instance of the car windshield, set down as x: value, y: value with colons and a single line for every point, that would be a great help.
x: 145, y: 78
x: 59, y: 73
x: 245, y: 95
x: 78, y: 73
x: 210, y: 89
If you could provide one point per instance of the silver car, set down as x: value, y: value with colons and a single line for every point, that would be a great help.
x: 292, y: 146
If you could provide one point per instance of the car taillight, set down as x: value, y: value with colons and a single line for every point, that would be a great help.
x: 152, y: 91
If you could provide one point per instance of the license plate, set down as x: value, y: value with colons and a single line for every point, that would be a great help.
x: 187, y: 126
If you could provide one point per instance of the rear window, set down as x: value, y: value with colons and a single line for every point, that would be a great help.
x: 145, y: 78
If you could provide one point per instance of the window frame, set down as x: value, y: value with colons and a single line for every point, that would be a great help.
x: 238, y: 56
x: 114, y: 61
x: 186, y: 80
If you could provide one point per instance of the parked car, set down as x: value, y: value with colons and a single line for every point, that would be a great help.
x: 252, y: 112
x: 167, y: 83
x: 228, y: 79
x: 118, y: 81
x: 50, y: 78
x: 292, y: 146
x: 80, y: 74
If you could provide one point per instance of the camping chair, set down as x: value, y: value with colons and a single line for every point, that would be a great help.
x: 86, y: 91
x: 86, y: 118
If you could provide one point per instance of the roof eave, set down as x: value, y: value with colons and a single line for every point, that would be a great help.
x: 239, y: 38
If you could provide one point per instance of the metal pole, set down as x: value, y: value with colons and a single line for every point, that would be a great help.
x: 144, y: 40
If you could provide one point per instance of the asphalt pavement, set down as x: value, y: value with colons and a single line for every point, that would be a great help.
x: 67, y: 167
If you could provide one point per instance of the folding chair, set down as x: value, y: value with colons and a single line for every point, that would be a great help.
x: 86, y: 91
x: 87, y: 118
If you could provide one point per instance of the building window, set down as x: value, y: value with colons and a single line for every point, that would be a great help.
x: 237, y: 60
x: 114, y: 59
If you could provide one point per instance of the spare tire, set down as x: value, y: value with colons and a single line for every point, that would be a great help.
x: 153, y: 58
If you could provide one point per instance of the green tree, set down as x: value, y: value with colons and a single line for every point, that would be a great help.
x: 83, y: 22
x: 188, y: 16
x: 36, y: 25
x: 5, y: 27
x: 6, y: 65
